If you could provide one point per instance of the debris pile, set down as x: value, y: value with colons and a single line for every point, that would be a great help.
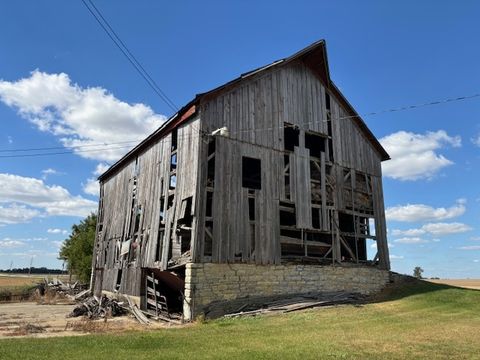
x: 61, y: 289
x: 253, y: 307
x: 96, y: 308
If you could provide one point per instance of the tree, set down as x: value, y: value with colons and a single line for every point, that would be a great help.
x: 77, y: 250
x: 417, y: 272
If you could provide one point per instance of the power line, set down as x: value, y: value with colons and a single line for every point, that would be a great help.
x: 107, y: 146
x: 128, y: 54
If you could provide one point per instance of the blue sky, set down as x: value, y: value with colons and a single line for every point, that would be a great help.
x: 64, y: 84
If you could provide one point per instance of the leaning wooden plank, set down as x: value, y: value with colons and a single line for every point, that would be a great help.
x: 142, y: 319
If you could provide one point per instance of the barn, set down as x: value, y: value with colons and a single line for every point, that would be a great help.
x: 268, y: 185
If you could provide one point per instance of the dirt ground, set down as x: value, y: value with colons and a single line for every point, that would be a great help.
x: 464, y: 283
x: 31, y: 319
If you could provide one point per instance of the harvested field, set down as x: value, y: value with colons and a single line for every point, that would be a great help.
x: 463, y: 283
x: 17, y: 280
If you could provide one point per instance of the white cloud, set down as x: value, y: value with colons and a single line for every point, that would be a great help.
x: 80, y: 116
x: 14, y: 213
x: 476, y: 260
x: 414, y: 156
x: 437, y: 229
x: 50, y: 171
x: 409, y: 232
x: 411, y: 240
x: 472, y: 247
x: 476, y: 140
x: 10, y: 139
x: 57, y: 231
x: 10, y: 243
x: 440, y: 229
x: 396, y: 257
x: 475, y: 238
x: 101, y: 168
x: 421, y: 212
x: 92, y: 187
x: 44, y: 199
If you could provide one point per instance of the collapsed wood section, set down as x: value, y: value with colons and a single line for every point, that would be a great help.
x: 294, y: 175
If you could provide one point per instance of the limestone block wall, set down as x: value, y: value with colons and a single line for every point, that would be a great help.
x: 206, y: 283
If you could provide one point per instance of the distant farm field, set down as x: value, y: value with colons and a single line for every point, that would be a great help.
x: 418, y: 320
x: 465, y: 283
x: 14, y: 280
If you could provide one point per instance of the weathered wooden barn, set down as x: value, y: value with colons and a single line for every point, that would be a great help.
x: 267, y: 185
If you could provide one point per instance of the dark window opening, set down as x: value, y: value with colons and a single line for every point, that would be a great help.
x: 170, y: 201
x: 291, y: 135
x: 251, y: 209
x: 251, y: 173
x: 327, y: 101
x: 211, y: 147
x: 291, y: 233
x: 162, y: 210
x: 315, y: 143
x: 209, y: 212
x: 346, y: 222
x: 330, y: 148
x: 138, y: 215
x: 174, y: 139
x: 287, y: 214
x: 315, y: 171
x: 211, y: 172
x: 118, y: 282
x: 316, y: 218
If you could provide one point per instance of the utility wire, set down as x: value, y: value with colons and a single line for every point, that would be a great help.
x: 128, y: 54
x: 107, y: 146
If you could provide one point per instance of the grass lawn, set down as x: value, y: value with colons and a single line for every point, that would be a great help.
x: 417, y: 321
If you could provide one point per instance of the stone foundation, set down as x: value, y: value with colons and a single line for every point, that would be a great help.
x: 207, y: 283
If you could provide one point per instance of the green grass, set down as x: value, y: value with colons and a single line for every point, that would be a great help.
x: 417, y: 321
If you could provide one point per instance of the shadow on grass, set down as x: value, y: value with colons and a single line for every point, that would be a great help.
x: 403, y: 286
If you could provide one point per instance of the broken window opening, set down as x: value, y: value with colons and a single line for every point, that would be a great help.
x: 173, y: 182
x: 291, y: 136
x: 173, y: 162
x: 327, y: 101
x: 315, y: 143
x: 251, y: 173
x: 186, y: 217
x: 174, y: 139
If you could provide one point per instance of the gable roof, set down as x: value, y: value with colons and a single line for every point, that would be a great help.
x: 314, y: 56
